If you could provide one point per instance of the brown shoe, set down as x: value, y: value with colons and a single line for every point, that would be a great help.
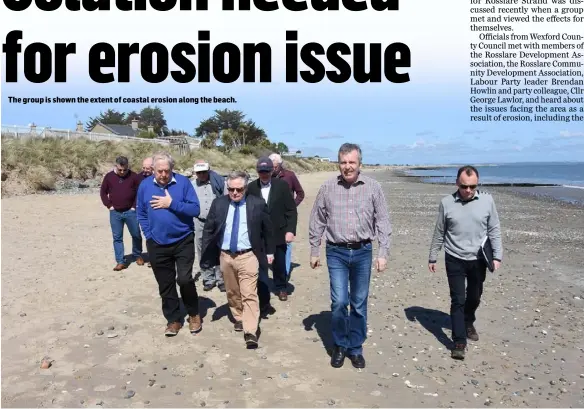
x: 140, y: 261
x: 195, y: 324
x: 471, y: 333
x: 173, y: 329
x: 120, y: 267
x: 283, y: 295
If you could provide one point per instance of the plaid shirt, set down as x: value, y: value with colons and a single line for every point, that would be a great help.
x: 350, y: 215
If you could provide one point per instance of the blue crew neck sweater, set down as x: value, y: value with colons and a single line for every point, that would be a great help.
x: 167, y: 226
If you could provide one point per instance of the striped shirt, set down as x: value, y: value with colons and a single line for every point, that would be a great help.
x: 352, y: 214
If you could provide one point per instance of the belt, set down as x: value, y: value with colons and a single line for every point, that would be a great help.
x: 236, y: 253
x: 351, y: 245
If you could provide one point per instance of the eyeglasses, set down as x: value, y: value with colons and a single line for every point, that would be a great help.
x: 235, y: 189
x: 464, y: 187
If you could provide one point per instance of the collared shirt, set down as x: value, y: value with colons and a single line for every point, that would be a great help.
x: 353, y: 214
x: 265, y: 189
x: 243, y: 236
x: 206, y: 196
x: 462, y: 225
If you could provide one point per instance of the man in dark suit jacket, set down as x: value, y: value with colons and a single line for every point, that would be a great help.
x: 241, y: 243
x: 284, y: 216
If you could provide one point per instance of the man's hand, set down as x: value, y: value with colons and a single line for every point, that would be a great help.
x: 133, y: 209
x: 289, y: 237
x: 380, y: 264
x: 314, y: 262
x: 111, y: 208
x: 432, y: 267
x: 497, y: 264
x: 161, y: 202
x: 270, y: 258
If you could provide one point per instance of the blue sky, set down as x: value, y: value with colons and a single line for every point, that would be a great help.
x: 394, y: 123
x: 425, y: 121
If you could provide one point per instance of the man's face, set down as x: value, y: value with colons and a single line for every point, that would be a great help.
x: 265, y: 176
x: 236, y: 189
x: 349, y: 166
x: 162, y: 172
x: 121, y: 170
x: 467, y: 185
x: 202, y: 176
x: 147, y: 167
x: 276, y: 167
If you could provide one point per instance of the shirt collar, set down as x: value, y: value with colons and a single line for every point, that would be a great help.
x: 457, y: 197
x: 173, y: 180
x: 358, y: 181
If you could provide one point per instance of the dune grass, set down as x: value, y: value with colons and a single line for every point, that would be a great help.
x: 32, y: 165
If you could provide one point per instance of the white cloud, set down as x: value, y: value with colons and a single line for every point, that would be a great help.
x: 569, y: 134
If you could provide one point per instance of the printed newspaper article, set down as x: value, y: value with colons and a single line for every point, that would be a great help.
x: 292, y: 203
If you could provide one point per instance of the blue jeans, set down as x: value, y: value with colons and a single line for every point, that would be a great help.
x: 117, y: 220
x: 288, y: 258
x: 349, y: 267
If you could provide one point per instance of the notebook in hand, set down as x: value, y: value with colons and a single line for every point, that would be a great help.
x: 487, y: 253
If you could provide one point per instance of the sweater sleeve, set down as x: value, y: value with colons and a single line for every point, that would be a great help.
x: 438, y: 236
x: 142, y: 211
x: 494, y: 232
x: 104, y: 191
x: 298, y: 190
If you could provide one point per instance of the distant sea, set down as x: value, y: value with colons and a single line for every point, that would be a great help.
x: 559, y: 180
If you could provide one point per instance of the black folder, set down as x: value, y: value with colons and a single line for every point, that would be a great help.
x: 486, y: 253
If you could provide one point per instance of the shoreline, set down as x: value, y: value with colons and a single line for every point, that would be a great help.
x: 557, y: 193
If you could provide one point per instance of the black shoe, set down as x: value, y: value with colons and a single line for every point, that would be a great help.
x: 338, y: 357
x: 267, y: 310
x: 208, y: 287
x: 221, y: 287
x: 251, y: 341
x: 238, y: 326
x: 357, y: 360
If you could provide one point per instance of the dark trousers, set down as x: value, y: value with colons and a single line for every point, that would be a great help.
x: 173, y: 264
x: 279, y: 268
x: 464, y: 301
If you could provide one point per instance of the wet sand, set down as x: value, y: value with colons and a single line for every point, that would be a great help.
x: 103, y: 330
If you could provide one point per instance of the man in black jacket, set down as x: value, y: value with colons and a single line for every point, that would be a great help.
x: 283, y: 214
x: 238, y: 236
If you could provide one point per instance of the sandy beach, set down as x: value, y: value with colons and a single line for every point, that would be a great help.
x: 103, y: 331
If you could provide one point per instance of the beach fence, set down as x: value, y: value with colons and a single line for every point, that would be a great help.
x: 183, y: 143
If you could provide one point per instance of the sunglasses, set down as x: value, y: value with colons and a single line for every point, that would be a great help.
x: 235, y: 189
x: 464, y: 187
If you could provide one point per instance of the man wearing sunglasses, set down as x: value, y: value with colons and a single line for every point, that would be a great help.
x: 464, y: 219
x: 238, y: 236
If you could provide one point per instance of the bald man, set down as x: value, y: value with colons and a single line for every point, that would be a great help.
x: 146, y: 169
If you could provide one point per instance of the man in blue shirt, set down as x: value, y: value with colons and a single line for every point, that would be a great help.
x: 166, y: 206
x: 238, y: 236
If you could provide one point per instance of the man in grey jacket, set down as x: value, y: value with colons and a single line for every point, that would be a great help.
x: 465, y: 218
x: 208, y: 185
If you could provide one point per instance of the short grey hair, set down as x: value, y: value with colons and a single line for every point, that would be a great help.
x: 348, y: 148
x: 165, y: 156
x: 238, y: 174
x: 276, y: 158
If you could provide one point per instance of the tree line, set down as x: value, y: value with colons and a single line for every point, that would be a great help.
x: 226, y: 130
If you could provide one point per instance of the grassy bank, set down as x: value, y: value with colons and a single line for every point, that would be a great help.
x: 34, y: 165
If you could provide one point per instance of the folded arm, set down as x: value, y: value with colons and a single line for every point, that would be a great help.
x: 190, y: 205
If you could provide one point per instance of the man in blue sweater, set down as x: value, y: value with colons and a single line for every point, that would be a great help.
x: 165, y: 206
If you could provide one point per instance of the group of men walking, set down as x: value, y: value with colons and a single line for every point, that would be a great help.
x: 239, y: 228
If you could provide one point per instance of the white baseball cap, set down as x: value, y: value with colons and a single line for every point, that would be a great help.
x: 201, y: 167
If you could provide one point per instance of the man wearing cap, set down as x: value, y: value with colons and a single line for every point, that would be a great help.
x: 283, y: 215
x: 208, y: 185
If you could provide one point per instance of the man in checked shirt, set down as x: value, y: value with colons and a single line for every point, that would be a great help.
x: 351, y: 211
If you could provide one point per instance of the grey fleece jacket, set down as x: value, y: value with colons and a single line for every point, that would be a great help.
x: 462, y: 226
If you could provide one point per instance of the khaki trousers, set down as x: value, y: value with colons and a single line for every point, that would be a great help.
x: 240, y: 274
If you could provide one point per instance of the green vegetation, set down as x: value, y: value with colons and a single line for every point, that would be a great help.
x: 229, y: 142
